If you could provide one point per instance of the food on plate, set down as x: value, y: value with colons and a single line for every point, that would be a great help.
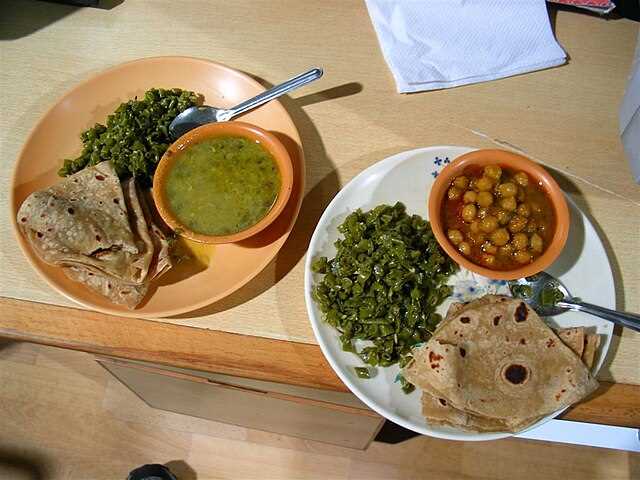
x: 100, y: 231
x: 493, y: 365
x: 136, y: 135
x: 591, y: 344
x: 573, y: 338
x: 547, y: 297
x: 498, y: 217
x: 222, y: 185
x: 384, y: 283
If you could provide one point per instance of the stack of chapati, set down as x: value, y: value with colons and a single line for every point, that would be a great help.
x: 100, y: 231
x: 494, y: 365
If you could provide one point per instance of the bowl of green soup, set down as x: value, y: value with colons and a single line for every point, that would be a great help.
x: 223, y: 182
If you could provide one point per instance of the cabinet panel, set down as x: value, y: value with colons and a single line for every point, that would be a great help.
x: 263, y: 410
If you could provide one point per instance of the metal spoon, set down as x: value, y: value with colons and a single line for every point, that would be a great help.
x: 196, y: 116
x: 543, y: 281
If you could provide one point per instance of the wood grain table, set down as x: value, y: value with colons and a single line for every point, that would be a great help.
x: 565, y: 118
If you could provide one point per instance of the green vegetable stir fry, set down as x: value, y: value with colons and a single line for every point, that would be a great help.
x: 136, y: 135
x: 548, y: 296
x: 384, y: 284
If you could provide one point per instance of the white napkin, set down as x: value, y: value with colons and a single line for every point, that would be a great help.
x: 432, y: 44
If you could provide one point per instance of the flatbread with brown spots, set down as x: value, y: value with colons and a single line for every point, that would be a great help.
x: 499, y: 360
x: 99, y: 231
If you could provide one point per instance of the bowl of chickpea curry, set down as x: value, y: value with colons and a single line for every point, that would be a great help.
x: 499, y: 214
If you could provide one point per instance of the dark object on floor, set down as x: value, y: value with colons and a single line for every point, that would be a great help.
x: 101, y: 4
x: 392, y: 433
x: 628, y: 9
x: 153, y: 471
x: 79, y: 3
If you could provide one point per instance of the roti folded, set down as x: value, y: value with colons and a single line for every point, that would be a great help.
x: 591, y: 344
x: 99, y: 231
x: 440, y: 412
x: 573, y: 338
x: 497, y: 359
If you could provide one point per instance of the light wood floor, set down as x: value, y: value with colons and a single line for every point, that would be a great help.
x: 63, y: 417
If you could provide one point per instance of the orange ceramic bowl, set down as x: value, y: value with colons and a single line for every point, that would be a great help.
x: 223, y: 129
x: 515, y: 162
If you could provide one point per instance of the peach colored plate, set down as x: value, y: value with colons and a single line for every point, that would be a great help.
x: 57, y: 136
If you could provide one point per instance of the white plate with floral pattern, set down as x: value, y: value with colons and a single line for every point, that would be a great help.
x: 407, y: 177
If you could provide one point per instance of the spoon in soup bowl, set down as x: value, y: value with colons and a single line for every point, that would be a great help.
x: 194, y: 117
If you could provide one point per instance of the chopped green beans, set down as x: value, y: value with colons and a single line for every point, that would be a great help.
x: 362, y: 372
x: 407, y: 387
x: 521, y: 291
x: 384, y: 284
x: 550, y: 296
x: 136, y: 135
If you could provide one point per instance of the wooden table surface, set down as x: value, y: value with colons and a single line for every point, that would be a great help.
x: 564, y: 117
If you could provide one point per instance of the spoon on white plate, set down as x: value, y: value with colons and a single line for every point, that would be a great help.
x: 548, y: 296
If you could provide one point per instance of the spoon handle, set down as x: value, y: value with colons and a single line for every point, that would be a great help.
x: 275, y: 92
x: 629, y: 320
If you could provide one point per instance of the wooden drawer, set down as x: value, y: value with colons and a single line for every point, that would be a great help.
x: 324, y: 416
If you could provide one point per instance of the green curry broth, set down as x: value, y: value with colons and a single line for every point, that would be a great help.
x: 222, y: 185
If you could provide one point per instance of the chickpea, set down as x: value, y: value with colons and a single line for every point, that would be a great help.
x: 455, y: 236
x: 532, y: 226
x: 454, y: 193
x: 484, y: 184
x: 536, y: 243
x: 521, y: 179
x: 506, y: 250
x: 500, y: 237
x: 494, y: 209
x: 469, y: 196
x: 477, y: 238
x: 520, y: 241
x: 474, y: 227
x: 472, y: 184
x: 485, y: 199
x: 503, y: 217
x: 461, y: 182
x: 488, y: 259
x: 507, y: 189
x: 493, y: 171
x: 489, y: 247
x: 517, y: 224
x: 522, y: 256
x: 483, y: 212
x: 509, y: 204
x: 524, y: 210
x: 469, y: 212
x: 464, y: 248
x: 488, y: 224
x: 521, y: 197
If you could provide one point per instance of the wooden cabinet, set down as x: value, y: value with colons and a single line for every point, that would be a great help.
x: 326, y: 416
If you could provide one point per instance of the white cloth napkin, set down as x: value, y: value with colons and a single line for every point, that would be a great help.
x: 432, y: 44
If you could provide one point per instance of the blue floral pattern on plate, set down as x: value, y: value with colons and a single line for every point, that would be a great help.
x: 438, y: 164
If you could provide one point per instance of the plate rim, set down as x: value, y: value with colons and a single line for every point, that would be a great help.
x: 400, y: 157
x: 37, y: 264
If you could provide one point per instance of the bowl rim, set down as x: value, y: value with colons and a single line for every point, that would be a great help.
x: 511, y: 160
x: 212, y: 130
